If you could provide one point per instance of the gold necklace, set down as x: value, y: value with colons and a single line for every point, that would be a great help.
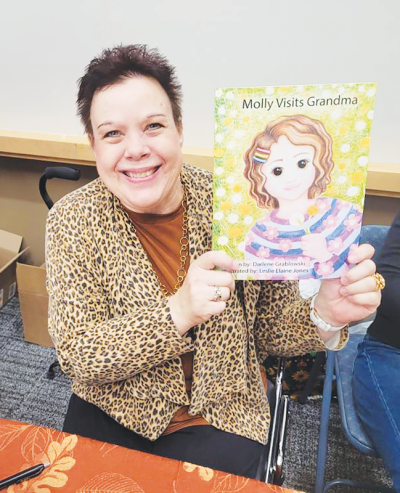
x: 183, y: 253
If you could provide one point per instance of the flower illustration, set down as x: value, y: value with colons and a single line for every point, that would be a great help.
x: 312, y: 210
x: 263, y: 252
x: 205, y: 473
x: 323, y: 204
x: 285, y: 245
x: 250, y: 237
x: 342, y: 204
x: 352, y: 222
x: 334, y: 246
x: 325, y: 269
x: 271, y: 233
x: 330, y: 221
x: 265, y: 219
x: 305, y: 261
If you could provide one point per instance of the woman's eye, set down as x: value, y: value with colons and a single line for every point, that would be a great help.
x: 277, y: 171
x: 302, y: 163
x: 112, y: 133
x: 154, y: 126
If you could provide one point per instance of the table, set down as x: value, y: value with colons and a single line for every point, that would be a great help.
x: 79, y: 464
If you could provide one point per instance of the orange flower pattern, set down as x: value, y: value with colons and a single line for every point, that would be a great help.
x: 81, y: 465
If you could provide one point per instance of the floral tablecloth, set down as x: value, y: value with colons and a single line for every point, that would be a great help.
x: 78, y: 464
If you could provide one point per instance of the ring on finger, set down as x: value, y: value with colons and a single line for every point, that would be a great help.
x: 380, y: 281
x: 217, y: 294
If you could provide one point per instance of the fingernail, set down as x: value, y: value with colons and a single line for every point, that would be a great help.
x: 343, y: 291
x: 344, y: 280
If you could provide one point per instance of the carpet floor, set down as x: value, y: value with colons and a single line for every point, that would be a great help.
x: 26, y: 394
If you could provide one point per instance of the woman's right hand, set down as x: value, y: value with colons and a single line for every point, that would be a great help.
x: 193, y: 303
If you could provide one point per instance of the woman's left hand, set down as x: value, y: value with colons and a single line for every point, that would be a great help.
x: 353, y: 297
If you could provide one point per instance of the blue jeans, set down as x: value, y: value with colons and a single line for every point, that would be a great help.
x: 376, y: 391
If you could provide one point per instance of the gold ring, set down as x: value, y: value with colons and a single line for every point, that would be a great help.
x: 380, y: 281
x: 217, y: 294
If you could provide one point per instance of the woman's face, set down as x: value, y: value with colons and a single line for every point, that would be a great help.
x: 289, y: 171
x: 137, y: 145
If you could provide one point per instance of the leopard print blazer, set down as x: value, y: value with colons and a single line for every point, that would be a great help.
x: 114, y: 335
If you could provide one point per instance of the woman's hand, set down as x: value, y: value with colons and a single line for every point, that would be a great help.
x: 193, y: 303
x: 352, y: 297
x: 314, y: 246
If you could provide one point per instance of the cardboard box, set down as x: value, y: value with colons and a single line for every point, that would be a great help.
x: 34, y: 303
x: 10, y: 245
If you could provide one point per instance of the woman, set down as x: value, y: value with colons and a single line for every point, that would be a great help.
x: 376, y: 379
x: 163, y: 350
x: 289, y: 166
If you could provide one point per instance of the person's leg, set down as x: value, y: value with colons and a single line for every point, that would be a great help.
x: 376, y: 390
x: 209, y: 447
x: 88, y: 420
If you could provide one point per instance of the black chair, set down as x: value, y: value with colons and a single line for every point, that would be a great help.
x: 65, y: 173
x: 271, y: 463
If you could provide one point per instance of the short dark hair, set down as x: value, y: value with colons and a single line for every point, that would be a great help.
x: 120, y: 62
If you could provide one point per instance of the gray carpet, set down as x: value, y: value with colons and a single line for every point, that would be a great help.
x: 27, y: 395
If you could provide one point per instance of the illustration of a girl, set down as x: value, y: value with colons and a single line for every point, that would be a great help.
x: 302, y: 234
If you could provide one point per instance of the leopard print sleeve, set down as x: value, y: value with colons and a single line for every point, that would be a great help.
x: 283, y: 326
x: 101, y: 336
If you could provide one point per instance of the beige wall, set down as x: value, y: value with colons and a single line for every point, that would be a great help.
x: 22, y: 210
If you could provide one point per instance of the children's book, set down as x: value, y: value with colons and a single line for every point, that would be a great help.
x: 290, y: 169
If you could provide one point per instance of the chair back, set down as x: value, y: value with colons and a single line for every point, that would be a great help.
x: 375, y: 235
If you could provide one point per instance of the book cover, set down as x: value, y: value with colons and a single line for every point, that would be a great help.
x: 290, y: 169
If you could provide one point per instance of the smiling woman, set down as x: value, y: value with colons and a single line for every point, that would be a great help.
x: 164, y: 350
x: 137, y: 145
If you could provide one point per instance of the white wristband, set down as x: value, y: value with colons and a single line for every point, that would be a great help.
x: 319, y: 322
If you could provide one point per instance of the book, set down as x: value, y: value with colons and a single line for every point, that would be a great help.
x: 290, y: 170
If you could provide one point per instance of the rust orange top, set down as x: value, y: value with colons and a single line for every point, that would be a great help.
x: 160, y: 236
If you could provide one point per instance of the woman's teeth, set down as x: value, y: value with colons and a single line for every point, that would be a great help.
x: 142, y: 174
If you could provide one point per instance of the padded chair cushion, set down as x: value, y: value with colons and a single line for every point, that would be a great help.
x: 374, y: 235
x: 344, y: 364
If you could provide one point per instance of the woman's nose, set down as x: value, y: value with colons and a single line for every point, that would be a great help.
x: 136, y: 147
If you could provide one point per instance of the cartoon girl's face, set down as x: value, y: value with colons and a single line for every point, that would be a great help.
x: 289, y: 171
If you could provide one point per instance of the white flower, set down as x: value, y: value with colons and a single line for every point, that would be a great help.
x: 219, y: 138
x: 248, y: 220
x: 370, y: 114
x: 231, y: 179
x: 218, y: 216
x: 371, y: 93
x: 353, y: 191
x: 239, y: 133
x: 363, y: 160
x: 220, y: 192
x: 342, y: 179
x: 270, y: 90
x: 233, y: 218
x: 223, y: 240
x: 345, y: 148
x: 297, y: 219
x: 231, y: 145
x: 233, y: 113
x: 361, y: 89
x: 229, y: 95
x: 221, y: 110
x: 236, y: 198
x: 218, y: 93
x: 360, y: 125
x: 341, y: 90
x: 241, y: 246
x: 336, y: 114
x: 219, y: 170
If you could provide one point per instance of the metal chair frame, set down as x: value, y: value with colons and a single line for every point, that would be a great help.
x: 331, y: 375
